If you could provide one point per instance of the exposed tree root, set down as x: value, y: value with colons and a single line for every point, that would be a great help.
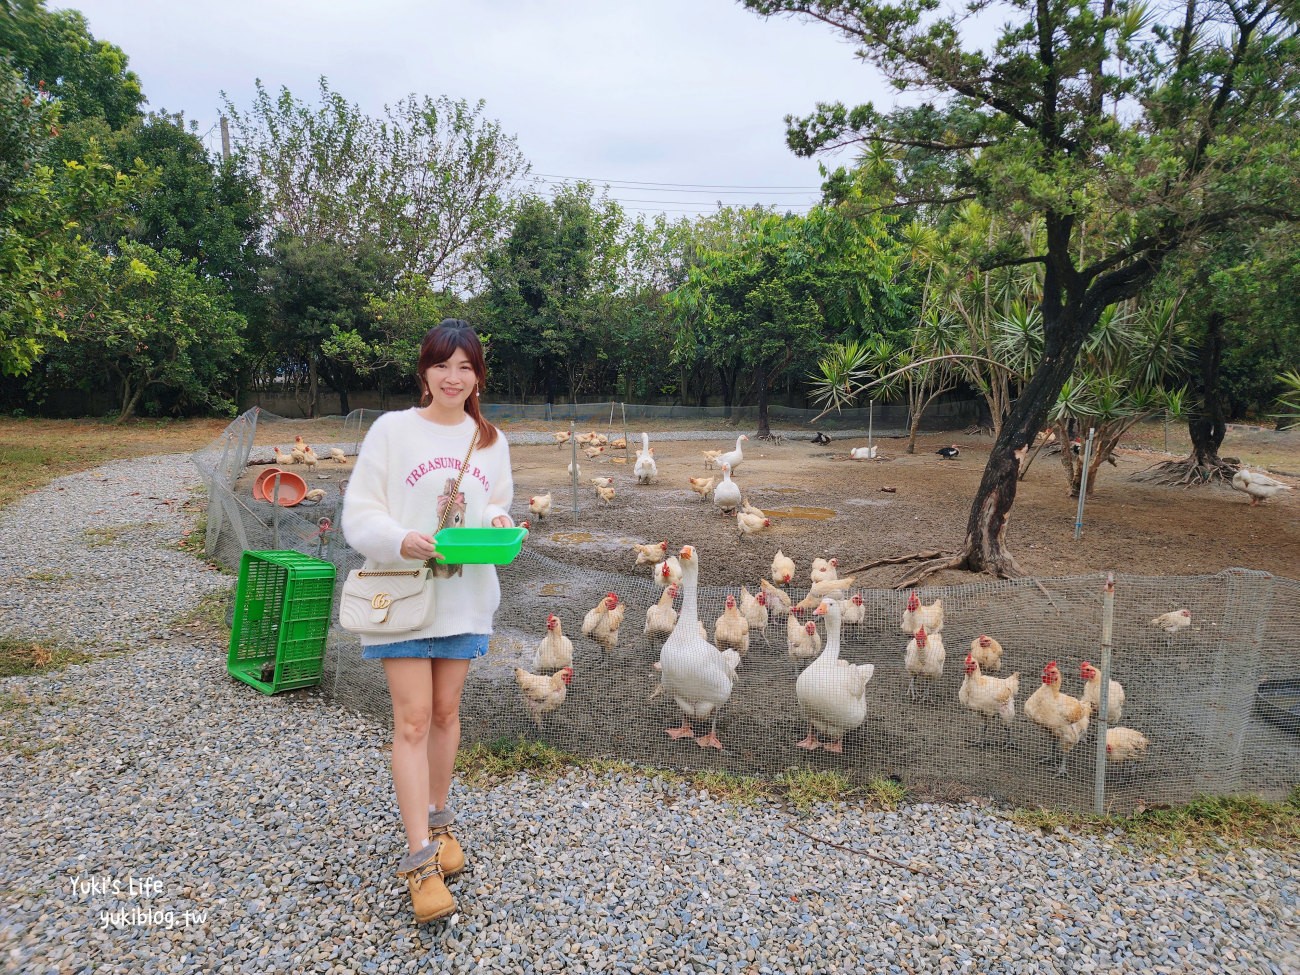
x: 926, y: 569
x: 1185, y: 473
x: 931, y: 563
x: 914, y: 557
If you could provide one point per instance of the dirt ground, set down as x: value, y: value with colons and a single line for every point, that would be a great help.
x: 824, y: 504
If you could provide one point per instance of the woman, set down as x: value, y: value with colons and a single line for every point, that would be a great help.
x: 405, y: 474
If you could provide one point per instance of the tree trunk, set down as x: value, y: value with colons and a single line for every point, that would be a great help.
x: 986, y: 549
x: 912, y: 430
x: 1208, y: 426
x: 764, y: 430
x: 313, y: 388
x: 343, y: 401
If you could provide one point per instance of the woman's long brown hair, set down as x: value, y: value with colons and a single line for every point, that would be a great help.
x: 439, y: 345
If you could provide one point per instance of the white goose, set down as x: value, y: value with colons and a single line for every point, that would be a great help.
x: 732, y: 457
x: 727, y: 494
x: 832, y: 692
x: 695, y: 674
x: 645, y: 463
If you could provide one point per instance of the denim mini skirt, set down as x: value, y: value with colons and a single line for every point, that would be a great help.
x: 461, y: 646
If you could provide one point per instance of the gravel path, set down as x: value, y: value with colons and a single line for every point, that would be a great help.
x: 148, y: 782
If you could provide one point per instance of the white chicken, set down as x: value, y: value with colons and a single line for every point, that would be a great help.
x: 802, y: 641
x: 606, y: 495
x: 853, y: 609
x: 1174, y: 621
x: 695, y: 674
x: 337, y: 455
x: 732, y: 458
x: 661, y: 617
x: 1260, y: 487
x: 309, y: 458
x: 315, y: 495
x: 782, y: 568
x: 653, y: 552
x: 726, y: 496
x: 669, y: 572
x: 989, y: 697
x: 711, y: 458
x: 917, y: 616
x: 731, y: 631
x: 574, y: 470
x: 754, y: 609
x: 835, y: 588
x: 703, y: 486
x: 645, y: 467
x: 864, y: 453
x: 1063, y: 717
x: 824, y: 569
x: 923, y: 658
x: 603, y: 620
x: 556, y: 650
x: 1092, y: 693
x: 987, y: 652
x: 602, y: 481
x: 778, y: 600
x: 540, y: 505
x: 1125, y: 745
x: 750, y: 509
x: 542, y: 695
x: 832, y: 692
x: 561, y: 438
x: 747, y: 524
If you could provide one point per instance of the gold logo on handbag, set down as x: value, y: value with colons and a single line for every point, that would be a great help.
x: 381, y: 601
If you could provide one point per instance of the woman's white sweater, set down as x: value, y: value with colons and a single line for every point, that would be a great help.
x: 406, y: 464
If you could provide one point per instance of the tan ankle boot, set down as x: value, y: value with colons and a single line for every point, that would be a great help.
x: 423, y: 875
x: 452, y: 857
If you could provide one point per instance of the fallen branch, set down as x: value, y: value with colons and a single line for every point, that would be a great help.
x: 879, y: 859
x: 914, y: 557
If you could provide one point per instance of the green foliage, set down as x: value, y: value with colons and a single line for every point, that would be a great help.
x: 427, y: 182
x: 163, y: 336
x: 1289, y: 401
x: 56, y: 53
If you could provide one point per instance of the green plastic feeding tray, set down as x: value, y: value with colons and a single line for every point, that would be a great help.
x: 480, y: 546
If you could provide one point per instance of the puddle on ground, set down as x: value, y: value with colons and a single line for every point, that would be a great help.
x: 572, y: 538
x: 813, y: 514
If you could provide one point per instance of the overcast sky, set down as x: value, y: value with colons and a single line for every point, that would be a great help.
x: 688, y: 92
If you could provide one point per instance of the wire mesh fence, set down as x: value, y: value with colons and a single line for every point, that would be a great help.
x: 1192, y: 694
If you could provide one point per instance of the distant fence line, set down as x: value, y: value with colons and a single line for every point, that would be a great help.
x: 1193, y: 693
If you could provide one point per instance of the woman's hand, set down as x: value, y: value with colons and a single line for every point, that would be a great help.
x: 502, y: 521
x: 417, y: 547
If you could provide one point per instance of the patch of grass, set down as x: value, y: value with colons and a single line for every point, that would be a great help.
x: 208, y: 614
x: 806, y: 787
x: 34, y: 452
x: 1210, y: 821
x: 102, y: 536
x: 24, y: 657
x: 886, y: 793
x: 48, y: 576
x: 501, y: 759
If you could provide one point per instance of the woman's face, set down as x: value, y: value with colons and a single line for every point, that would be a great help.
x: 451, y: 382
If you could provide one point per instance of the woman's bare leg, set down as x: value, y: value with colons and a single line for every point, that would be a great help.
x: 444, y: 731
x: 410, y: 683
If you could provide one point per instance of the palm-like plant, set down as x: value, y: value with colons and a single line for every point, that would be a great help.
x: 1290, y: 399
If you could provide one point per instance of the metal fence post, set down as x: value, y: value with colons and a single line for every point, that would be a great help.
x: 573, y: 468
x: 1107, y: 625
x: 1083, y: 484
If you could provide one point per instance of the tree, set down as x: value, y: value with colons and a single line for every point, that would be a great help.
x: 427, y: 182
x: 42, y: 211
x: 56, y: 53
x: 548, y: 285
x: 767, y: 300
x: 1128, y: 133
x: 316, y: 290
x: 158, y: 332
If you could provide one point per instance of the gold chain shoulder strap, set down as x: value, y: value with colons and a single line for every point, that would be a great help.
x: 442, y: 517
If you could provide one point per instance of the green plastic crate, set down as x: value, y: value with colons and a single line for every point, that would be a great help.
x: 283, y: 606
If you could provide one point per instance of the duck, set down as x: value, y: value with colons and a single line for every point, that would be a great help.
x: 645, y: 468
x: 832, y: 692
x: 1260, y: 487
x: 695, y: 674
x: 727, y: 494
x: 950, y: 452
